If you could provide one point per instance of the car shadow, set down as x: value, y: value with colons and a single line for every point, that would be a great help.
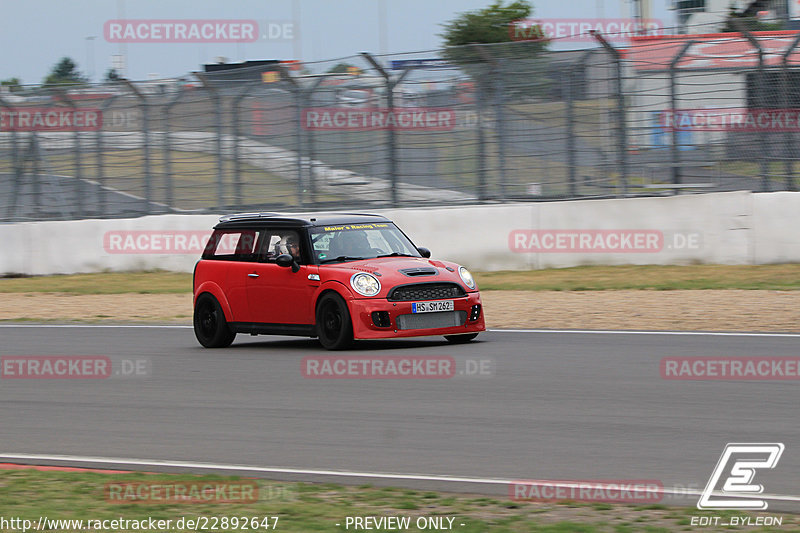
x: 312, y: 345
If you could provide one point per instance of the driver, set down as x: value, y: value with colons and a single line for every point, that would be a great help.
x: 293, y: 246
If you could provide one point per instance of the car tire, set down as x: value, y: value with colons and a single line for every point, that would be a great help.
x: 334, y: 326
x: 210, y: 326
x: 460, y: 339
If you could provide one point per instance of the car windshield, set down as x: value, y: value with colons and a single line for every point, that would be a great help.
x: 351, y: 242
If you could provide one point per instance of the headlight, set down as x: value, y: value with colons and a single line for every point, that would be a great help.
x: 365, y: 284
x: 466, y: 277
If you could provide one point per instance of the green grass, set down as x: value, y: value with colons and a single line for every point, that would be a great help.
x: 775, y: 169
x: 783, y: 277
x: 305, y: 507
x: 649, y: 277
x: 156, y: 282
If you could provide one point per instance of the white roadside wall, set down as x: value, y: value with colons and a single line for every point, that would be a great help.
x: 721, y: 228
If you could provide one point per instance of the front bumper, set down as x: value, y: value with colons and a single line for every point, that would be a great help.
x: 361, y: 311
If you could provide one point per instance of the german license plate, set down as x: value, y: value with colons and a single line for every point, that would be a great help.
x: 432, y: 307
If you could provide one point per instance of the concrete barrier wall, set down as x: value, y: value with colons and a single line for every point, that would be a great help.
x: 721, y: 228
x: 775, y: 234
x: 709, y: 228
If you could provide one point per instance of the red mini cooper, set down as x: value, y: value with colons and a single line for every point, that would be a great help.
x: 335, y: 277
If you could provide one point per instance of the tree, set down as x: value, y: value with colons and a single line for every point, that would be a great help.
x: 65, y: 72
x: 13, y: 84
x: 112, y: 75
x: 341, y: 68
x: 496, y: 25
x: 492, y: 24
x: 750, y: 22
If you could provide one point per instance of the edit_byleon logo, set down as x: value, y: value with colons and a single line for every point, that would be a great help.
x: 739, y: 462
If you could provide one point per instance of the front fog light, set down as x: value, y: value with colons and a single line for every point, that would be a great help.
x: 365, y: 284
x: 466, y: 277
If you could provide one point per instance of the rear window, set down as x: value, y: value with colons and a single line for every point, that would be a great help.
x: 233, y: 245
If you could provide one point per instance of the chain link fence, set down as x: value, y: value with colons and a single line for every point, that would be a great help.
x: 482, y: 123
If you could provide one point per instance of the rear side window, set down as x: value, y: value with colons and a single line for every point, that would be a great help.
x: 233, y: 245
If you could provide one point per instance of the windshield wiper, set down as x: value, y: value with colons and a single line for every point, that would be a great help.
x: 342, y: 258
x: 397, y: 254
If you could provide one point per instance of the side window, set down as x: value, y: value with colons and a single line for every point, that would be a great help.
x: 329, y: 245
x: 232, y: 245
x: 322, y: 242
x: 279, y: 242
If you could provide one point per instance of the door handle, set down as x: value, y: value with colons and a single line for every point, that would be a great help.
x: 253, y: 275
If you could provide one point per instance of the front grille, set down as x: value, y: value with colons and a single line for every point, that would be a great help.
x: 444, y: 319
x: 425, y: 291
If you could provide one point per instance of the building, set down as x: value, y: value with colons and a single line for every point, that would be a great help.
x: 717, y: 81
x: 708, y: 16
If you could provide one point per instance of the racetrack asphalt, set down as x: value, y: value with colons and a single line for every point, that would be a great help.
x: 553, y: 405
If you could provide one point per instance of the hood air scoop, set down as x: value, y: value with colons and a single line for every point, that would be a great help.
x: 418, y: 271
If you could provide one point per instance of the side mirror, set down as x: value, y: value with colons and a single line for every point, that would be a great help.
x: 424, y: 252
x: 286, y: 260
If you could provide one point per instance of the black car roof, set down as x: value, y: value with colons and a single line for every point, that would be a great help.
x: 278, y: 219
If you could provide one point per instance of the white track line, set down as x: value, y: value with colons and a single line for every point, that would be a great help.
x: 128, y: 194
x: 575, y: 331
x: 625, y: 332
x: 99, y: 326
x: 122, y: 462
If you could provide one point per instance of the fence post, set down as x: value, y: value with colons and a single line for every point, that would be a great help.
x: 622, y: 148
x: 102, y: 192
x: 238, y: 197
x: 36, y: 154
x: 304, y: 96
x: 78, y: 185
x: 495, y: 73
x: 673, y: 104
x: 479, y: 104
x: 307, y: 100
x: 762, y: 139
x: 167, y: 147
x: 570, y: 101
x: 568, y: 77
x: 501, y: 126
x: 390, y: 85
x: 785, y: 85
x: 299, y: 98
x: 215, y: 101
x: 148, y: 177
x: 15, y: 163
